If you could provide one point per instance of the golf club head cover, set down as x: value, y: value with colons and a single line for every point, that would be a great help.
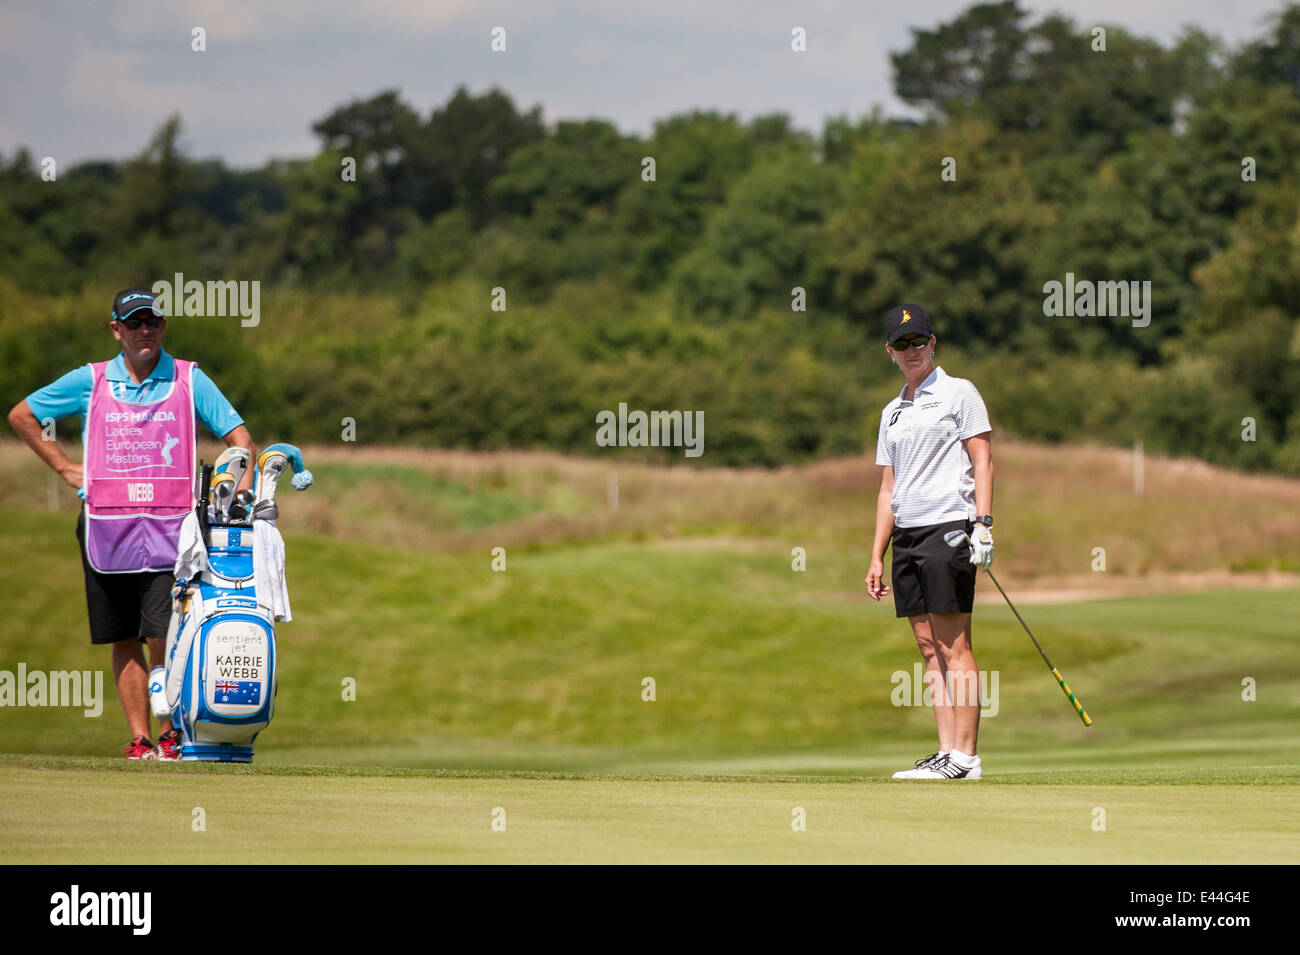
x: 233, y: 461
x: 302, y: 478
x: 270, y: 465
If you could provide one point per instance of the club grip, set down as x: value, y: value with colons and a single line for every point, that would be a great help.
x: 1078, y: 707
x: 205, y: 487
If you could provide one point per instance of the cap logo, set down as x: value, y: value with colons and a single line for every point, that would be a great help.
x: 907, y: 317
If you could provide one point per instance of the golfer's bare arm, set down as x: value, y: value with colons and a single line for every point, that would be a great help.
x: 876, y: 587
x: 27, y: 426
x: 238, y: 437
x: 884, y: 513
x: 980, y: 449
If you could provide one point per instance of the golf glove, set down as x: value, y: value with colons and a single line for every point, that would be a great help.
x: 981, y: 546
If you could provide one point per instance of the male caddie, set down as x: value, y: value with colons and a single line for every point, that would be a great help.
x: 139, y: 424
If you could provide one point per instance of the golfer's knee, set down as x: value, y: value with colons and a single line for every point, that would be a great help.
x: 124, y: 651
x: 957, y: 656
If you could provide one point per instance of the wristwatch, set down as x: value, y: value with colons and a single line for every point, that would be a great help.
x: 985, y: 519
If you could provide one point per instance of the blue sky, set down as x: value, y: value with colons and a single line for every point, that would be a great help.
x: 93, y: 80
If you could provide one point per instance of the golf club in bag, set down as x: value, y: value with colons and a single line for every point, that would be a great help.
x: 954, y: 538
x: 218, y: 684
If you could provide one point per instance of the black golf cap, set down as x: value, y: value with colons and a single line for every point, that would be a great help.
x: 132, y: 300
x: 906, y: 319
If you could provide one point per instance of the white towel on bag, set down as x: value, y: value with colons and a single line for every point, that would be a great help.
x: 268, y: 569
x: 191, y: 555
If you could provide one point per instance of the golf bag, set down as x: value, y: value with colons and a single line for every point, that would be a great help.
x: 218, y: 684
x: 221, y: 656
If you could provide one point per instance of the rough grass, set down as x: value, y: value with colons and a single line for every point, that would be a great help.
x: 1055, y: 506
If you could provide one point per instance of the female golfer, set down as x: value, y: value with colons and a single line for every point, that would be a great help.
x: 937, y: 478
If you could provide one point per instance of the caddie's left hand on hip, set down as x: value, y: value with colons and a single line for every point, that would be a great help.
x: 981, y: 546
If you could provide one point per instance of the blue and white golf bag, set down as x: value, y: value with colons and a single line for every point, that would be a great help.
x: 220, y: 677
x: 219, y: 683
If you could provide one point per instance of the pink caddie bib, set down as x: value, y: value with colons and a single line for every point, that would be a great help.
x: 139, y: 474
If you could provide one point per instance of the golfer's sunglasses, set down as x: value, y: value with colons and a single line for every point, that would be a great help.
x: 903, y: 343
x: 134, y: 323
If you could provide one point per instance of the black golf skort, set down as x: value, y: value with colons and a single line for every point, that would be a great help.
x: 125, y: 606
x: 928, y: 575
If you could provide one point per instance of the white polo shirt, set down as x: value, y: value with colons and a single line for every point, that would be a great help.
x: 934, y: 481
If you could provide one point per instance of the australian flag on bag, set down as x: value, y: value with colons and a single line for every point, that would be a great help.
x: 237, y: 691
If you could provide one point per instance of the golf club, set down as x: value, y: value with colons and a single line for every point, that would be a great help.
x: 243, y: 503
x: 223, y: 492
x: 205, y: 486
x: 952, y: 539
x: 270, y: 466
x: 272, y: 463
x: 233, y: 461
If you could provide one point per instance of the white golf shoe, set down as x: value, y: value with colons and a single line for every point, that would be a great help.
x: 948, y: 767
x: 921, y: 764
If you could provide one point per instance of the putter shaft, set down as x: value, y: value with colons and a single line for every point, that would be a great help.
x: 952, y: 539
x: 1074, y: 701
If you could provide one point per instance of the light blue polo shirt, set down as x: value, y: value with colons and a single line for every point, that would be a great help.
x: 69, y: 396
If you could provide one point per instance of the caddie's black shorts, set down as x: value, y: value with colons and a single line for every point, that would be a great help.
x: 125, y: 606
x: 928, y: 575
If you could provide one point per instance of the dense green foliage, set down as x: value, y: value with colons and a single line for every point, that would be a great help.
x: 675, y: 292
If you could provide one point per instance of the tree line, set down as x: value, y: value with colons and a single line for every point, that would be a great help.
x: 1039, y: 154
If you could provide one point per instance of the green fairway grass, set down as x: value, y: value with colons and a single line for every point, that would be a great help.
x: 770, y: 685
x: 335, y: 816
x: 542, y: 666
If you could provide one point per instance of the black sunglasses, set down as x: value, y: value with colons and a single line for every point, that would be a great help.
x: 903, y: 343
x: 134, y: 323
